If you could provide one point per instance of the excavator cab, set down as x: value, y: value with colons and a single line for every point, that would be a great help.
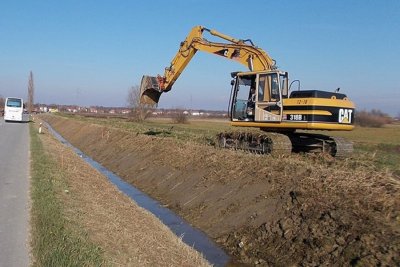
x: 258, y: 96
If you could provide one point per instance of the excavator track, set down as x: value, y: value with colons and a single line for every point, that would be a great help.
x: 343, y: 147
x: 318, y: 143
x: 263, y: 143
x: 285, y: 143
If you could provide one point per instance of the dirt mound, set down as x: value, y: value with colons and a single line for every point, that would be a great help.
x: 262, y: 209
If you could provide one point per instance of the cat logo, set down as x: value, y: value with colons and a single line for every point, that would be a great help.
x: 345, y: 115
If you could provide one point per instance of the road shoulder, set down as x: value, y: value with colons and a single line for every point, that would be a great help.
x: 127, y: 234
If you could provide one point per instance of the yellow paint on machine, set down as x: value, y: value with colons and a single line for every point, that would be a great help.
x: 308, y: 112
x: 296, y: 125
x: 327, y: 102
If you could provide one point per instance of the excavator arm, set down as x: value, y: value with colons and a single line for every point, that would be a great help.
x: 242, y: 51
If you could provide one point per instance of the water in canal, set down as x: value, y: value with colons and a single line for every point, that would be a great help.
x: 190, y: 235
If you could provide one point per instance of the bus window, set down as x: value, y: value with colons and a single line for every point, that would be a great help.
x: 14, y: 102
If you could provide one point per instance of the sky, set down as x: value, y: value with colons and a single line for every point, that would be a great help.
x: 91, y: 52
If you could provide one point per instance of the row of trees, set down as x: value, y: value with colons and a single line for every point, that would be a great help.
x: 141, y: 112
x: 373, y: 118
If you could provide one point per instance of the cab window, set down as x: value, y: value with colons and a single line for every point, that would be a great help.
x: 268, y: 87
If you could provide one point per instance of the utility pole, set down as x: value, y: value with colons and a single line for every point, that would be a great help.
x: 31, y: 93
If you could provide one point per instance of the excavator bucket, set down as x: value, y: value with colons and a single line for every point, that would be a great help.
x: 149, y: 91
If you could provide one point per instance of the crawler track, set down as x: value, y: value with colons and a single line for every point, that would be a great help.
x: 343, y: 147
x: 263, y: 143
x: 285, y: 143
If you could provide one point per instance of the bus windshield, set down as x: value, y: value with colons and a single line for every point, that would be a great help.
x: 14, y: 102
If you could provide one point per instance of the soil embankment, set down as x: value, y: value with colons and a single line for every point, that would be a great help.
x: 265, y: 210
x: 95, y: 211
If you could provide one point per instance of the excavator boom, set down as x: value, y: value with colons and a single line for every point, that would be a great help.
x: 242, y: 51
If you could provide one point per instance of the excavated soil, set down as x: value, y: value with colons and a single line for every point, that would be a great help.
x: 263, y: 210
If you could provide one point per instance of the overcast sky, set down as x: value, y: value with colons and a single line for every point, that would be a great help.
x: 91, y: 52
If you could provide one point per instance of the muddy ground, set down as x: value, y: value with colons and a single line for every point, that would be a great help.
x: 263, y: 210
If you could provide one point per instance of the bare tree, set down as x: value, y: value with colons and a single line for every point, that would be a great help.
x: 31, y: 92
x: 2, y: 103
x: 180, y: 117
x: 140, y: 111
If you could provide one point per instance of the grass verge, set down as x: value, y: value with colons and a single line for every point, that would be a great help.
x: 53, y: 242
x: 384, y: 156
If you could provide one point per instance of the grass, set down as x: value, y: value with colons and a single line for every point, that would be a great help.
x: 53, y: 242
x: 383, y: 143
x: 384, y: 156
x: 389, y: 134
x: 360, y: 201
x: 201, y: 131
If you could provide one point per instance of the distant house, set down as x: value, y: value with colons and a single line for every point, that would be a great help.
x: 43, y: 109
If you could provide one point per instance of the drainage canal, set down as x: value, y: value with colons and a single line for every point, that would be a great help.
x: 191, y: 236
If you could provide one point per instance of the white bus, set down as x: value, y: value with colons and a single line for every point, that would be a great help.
x: 14, y: 109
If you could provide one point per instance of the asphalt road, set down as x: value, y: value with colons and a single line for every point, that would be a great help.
x: 14, y: 194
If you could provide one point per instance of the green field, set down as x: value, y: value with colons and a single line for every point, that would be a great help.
x: 380, y: 146
x: 53, y: 242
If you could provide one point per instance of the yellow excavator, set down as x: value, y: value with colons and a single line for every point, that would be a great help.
x: 262, y: 98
